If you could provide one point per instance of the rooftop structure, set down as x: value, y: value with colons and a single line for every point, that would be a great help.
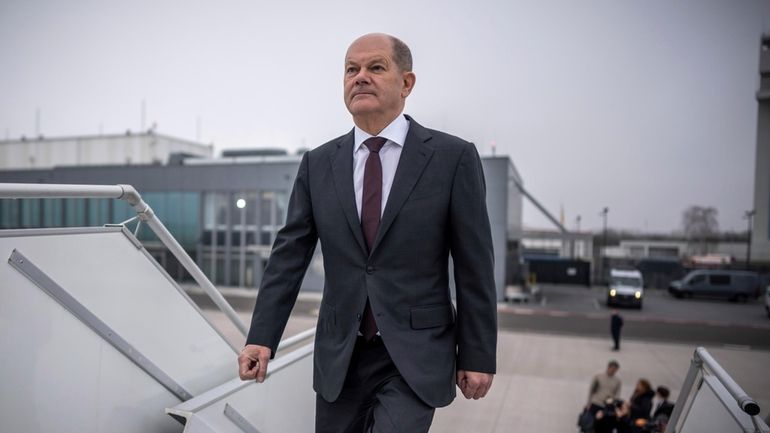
x: 89, y: 150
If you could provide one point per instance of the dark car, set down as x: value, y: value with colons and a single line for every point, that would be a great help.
x: 733, y: 285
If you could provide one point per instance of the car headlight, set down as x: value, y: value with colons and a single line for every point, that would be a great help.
x: 613, y: 292
x: 638, y: 295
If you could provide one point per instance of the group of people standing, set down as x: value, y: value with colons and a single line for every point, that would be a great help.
x: 647, y: 410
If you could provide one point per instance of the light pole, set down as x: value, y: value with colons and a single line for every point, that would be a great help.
x: 241, y: 204
x: 749, y: 215
x: 574, y: 241
x: 603, y: 250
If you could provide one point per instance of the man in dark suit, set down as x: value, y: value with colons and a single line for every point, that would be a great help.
x: 389, y: 201
x: 616, y: 324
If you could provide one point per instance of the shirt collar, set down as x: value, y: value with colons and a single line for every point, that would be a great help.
x: 395, y: 132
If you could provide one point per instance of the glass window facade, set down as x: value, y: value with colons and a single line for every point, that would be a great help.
x: 30, y: 212
x: 179, y: 212
x: 235, y: 240
x: 272, y: 215
x: 98, y: 211
x: 53, y: 213
x: 75, y: 212
x: 244, y: 220
x: 9, y: 214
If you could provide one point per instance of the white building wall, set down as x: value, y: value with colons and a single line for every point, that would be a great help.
x: 498, y: 195
x: 736, y: 250
x: 570, y: 245
x: 146, y: 148
x: 515, y: 203
x: 641, y: 248
x: 637, y: 249
x: 760, y: 245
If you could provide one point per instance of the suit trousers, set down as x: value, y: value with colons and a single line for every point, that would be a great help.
x: 375, y: 398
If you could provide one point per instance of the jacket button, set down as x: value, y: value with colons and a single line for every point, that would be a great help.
x: 358, y: 316
x: 369, y: 269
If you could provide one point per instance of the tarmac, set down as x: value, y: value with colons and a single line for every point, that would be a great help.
x: 542, y: 379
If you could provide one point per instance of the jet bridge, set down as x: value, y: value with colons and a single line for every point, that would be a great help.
x: 98, y: 337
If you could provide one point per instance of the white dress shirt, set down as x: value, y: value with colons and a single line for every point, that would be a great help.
x: 390, y: 153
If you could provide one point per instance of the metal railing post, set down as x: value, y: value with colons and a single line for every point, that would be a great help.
x: 679, y: 407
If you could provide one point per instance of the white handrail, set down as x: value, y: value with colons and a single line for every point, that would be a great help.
x: 144, y: 212
x: 703, y: 364
x: 746, y: 403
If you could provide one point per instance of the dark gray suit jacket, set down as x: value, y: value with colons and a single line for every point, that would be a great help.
x: 436, y: 206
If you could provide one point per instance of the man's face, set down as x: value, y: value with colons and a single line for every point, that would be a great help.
x: 374, y: 85
x: 611, y: 370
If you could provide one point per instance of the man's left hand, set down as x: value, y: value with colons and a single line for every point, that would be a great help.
x: 474, y: 385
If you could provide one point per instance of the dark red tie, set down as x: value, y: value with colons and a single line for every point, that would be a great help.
x: 371, y: 208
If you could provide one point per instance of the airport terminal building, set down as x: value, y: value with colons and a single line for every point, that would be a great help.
x: 224, y: 211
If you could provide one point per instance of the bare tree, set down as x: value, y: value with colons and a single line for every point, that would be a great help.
x: 700, y: 226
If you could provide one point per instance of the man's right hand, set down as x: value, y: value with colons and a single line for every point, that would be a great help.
x: 252, y: 362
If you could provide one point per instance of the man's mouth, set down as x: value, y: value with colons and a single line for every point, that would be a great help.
x: 361, y: 94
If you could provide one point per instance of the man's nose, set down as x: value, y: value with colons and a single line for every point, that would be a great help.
x: 362, y: 77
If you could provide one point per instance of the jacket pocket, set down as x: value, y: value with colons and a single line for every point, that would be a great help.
x: 431, y: 316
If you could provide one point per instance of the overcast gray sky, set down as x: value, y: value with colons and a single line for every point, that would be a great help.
x: 642, y: 106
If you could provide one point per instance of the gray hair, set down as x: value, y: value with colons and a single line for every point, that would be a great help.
x: 401, y: 54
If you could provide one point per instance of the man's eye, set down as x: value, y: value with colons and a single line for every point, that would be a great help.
x: 350, y: 70
x: 377, y: 68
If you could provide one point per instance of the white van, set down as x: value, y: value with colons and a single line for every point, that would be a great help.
x: 626, y: 288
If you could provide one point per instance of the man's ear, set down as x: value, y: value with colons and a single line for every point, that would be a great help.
x: 409, y: 80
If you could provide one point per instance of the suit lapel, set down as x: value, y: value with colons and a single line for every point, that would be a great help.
x: 414, y: 157
x: 342, y: 171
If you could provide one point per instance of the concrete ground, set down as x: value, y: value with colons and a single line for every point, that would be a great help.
x: 542, y: 380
